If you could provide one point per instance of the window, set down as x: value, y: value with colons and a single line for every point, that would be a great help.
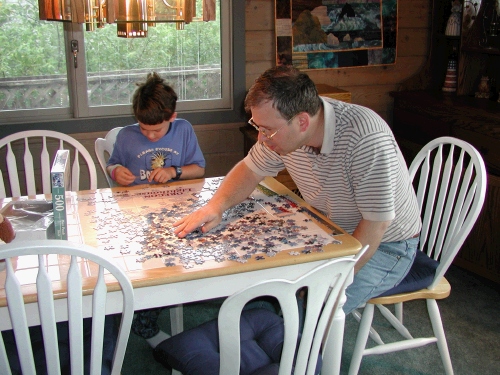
x: 40, y: 77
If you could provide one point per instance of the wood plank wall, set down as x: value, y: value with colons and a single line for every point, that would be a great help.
x: 370, y: 86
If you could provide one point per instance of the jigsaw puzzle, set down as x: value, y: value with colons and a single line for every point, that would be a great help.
x: 137, y: 224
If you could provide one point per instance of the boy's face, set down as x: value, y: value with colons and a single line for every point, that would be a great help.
x: 155, y: 132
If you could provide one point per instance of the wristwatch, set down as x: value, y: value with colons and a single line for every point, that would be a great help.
x: 178, y: 172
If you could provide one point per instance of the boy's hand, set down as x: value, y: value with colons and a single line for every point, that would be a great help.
x: 162, y: 175
x: 123, y: 176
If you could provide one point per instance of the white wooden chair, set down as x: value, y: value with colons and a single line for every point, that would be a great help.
x: 37, y: 142
x: 103, y: 149
x: 50, y: 310
x: 320, y: 341
x: 451, y: 179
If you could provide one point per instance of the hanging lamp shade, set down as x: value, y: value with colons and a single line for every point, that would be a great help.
x: 133, y: 17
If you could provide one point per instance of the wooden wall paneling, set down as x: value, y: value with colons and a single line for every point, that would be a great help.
x: 369, y: 76
x: 259, y: 45
x: 219, y: 139
x: 413, y: 14
x: 254, y: 70
x: 374, y: 97
x: 221, y: 164
x: 412, y: 42
x: 259, y: 15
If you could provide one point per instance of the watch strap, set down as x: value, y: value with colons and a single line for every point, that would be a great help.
x: 178, y: 172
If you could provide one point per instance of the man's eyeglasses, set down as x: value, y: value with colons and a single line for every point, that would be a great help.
x: 264, y: 132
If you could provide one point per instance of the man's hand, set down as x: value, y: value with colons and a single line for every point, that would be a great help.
x: 235, y: 188
x: 123, y: 176
x: 204, y: 218
x: 162, y: 175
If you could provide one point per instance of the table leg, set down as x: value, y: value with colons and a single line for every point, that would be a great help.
x: 176, y: 319
x: 177, y: 325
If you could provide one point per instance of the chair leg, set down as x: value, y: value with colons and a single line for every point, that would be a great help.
x: 373, y: 333
x: 361, y: 338
x: 437, y: 326
x: 398, y: 311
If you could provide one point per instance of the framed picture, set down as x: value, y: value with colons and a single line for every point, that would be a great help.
x: 326, y: 34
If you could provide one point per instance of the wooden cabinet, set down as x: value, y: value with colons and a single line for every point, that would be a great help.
x: 420, y: 116
x: 480, y: 49
x: 422, y: 112
x: 477, y: 49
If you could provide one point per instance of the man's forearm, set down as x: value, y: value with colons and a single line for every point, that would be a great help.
x: 369, y: 233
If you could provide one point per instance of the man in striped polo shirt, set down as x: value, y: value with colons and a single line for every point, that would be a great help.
x: 346, y: 163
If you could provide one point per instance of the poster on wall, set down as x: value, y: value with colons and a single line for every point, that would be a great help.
x: 329, y: 34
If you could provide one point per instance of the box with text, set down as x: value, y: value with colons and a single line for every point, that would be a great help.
x: 60, y: 176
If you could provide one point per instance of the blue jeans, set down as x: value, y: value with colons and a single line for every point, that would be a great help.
x: 385, y: 269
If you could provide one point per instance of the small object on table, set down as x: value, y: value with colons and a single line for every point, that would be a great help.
x: 450, y: 80
x: 454, y: 22
x: 7, y: 233
x: 483, y: 88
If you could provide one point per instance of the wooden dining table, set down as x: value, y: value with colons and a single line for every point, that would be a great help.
x: 272, y: 234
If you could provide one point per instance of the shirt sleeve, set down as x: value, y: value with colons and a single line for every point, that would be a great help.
x: 263, y: 161
x: 193, y: 153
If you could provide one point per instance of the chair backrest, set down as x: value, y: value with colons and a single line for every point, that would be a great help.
x: 36, y: 142
x: 451, y: 187
x: 103, y: 149
x: 78, y: 260
x: 325, y: 286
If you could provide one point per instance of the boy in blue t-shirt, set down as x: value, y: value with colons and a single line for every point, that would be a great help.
x: 161, y: 147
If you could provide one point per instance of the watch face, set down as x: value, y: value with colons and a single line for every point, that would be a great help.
x: 178, y: 171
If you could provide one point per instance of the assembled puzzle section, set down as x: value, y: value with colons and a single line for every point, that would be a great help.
x: 137, y: 225
x: 60, y: 177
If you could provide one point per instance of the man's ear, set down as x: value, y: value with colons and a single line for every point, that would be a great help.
x: 173, y: 117
x: 303, y: 121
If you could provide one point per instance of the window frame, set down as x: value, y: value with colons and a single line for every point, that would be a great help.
x: 67, y: 120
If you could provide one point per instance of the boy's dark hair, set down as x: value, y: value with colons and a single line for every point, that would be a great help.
x: 154, y: 101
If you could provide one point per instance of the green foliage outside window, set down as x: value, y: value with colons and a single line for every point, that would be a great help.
x: 31, y: 47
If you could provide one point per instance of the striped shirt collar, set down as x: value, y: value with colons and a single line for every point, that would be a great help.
x: 329, y: 126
